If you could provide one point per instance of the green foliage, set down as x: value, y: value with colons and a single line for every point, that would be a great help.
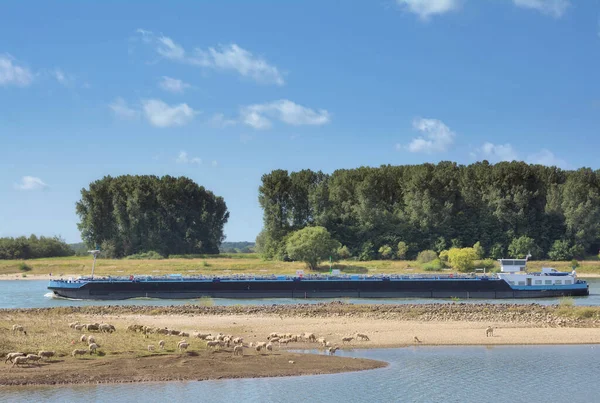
x: 577, y: 251
x: 24, y: 266
x: 108, y: 250
x: 520, y: 247
x: 434, y: 265
x: 367, y: 252
x: 311, y: 245
x: 386, y: 252
x: 133, y: 214
x: 435, y: 206
x: 344, y: 253
x: 574, y: 264
x: 486, y: 264
x: 33, y: 247
x: 152, y: 255
x: 402, y: 250
x: 237, y: 247
x: 560, y: 250
x: 426, y: 256
x: 444, y: 256
x: 462, y: 259
x: 479, y: 250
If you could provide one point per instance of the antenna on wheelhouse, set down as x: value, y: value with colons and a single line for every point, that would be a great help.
x: 94, y: 253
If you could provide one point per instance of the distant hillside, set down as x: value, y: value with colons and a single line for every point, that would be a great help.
x: 237, y: 247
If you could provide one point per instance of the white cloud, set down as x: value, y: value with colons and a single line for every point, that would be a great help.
x: 554, y: 8
x: 183, y: 158
x: 496, y: 152
x: 546, y: 157
x: 257, y: 116
x: 173, y: 85
x: 220, y: 121
x: 426, y: 8
x: 437, y: 137
x: 122, y: 110
x: 160, y: 114
x: 224, y: 58
x: 30, y: 183
x: 13, y: 74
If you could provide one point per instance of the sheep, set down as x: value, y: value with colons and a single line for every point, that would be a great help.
x: 33, y: 357
x: 332, y: 350
x: 174, y: 332
x: 161, y: 344
x: 150, y: 347
x: 91, y: 339
x: 347, y: 339
x: 19, y: 360
x: 83, y: 338
x: 269, y: 347
x: 212, y: 343
x: 274, y: 339
x: 238, y: 350
x: 258, y: 348
x: 134, y: 328
x: 238, y: 340
x: 284, y: 341
x: 203, y: 336
x: 11, y: 356
x: 310, y: 337
x: 489, y: 331
x: 262, y: 344
x: 19, y: 328
x: 291, y: 361
x: 78, y: 351
x: 93, y: 347
x: 79, y: 327
x: 182, y: 345
x: 362, y: 336
x: 164, y: 331
x: 416, y: 340
x: 184, y: 334
x: 46, y: 354
x: 321, y: 340
x: 105, y: 327
x: 73, y: 324
x: 274, y: 334
x: 92, y: 326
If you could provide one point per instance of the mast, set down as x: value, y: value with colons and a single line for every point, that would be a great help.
x: 95, y: 253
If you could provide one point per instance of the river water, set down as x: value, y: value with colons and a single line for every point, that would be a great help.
x: 415, y: 374
x: 34, y: 294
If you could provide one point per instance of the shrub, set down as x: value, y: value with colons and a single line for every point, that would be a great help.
x: 367, y: 251
x: 385, y: 251
x: 444, y: 256
x: 487, y: 264
x: 402, y: 250
x: 497, y: 251
x: 434, y: 265
x: 560, y: 250
x: 462, y: 258
x: 152, y: 255
x: 574, y: 263
x: 427, y: 256
x: 479, y: 250
x: 344, y: 253
x: 24, y: 266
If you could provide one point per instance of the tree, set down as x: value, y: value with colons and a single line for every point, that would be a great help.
x: 311, y: 245
x: 145, y: 213
x: 427, y: 256
x: 462, y: 258
x: 479, y: 250
x: 386, y: 252
x: 561, y: 250
x: 520, y: 247
x: 344, y: 253
x: 402, y: 250
x: 497, y: 251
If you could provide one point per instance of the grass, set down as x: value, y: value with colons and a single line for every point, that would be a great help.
x: 239, y: 264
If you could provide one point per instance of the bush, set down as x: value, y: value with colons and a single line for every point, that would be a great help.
x: 427, y: 256
x: 385, y: 251
x: 487, y: 264
x: 367, y: 252
x: 344, y: 253
x: 402, y: 250
x: 434, y: 265
x: 560, y: 250
x: 497, y: 251
x: 24, y: 266
x: 444, y: 256
x: 152, y: 255
x: 462, y: 259
x: 574, y: 264
x: 479, y: 250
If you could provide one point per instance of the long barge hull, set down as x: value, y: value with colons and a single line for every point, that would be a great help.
x: 447, y: 288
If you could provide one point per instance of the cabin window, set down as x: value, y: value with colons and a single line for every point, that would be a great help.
x: 521, y: 283
x: 558, y: 282
x: 547, y: 282
x: 538, y: 282
x: 567, y: 282
x: 511, y: 282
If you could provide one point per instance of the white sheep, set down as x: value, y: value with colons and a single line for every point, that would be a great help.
x: 83, y: 338
x: 238, y: 340
x: 33, y: 357
x: 19, y: 360
x: 161, y: 344
x: 73, y: 324
x: 182, y: 346
x: 213, y: 343
x: 310, y: 337
x: 274, y: 339
x: 79, y: 327
x: 78, y: 351
x: 93, y: 347
x: 150, y: 347
x: 11, y: 356
x: 18, y: 328
x: 46, y: 354
x: 489, y: 331
x: 105, y: 327
x: 238, y: 350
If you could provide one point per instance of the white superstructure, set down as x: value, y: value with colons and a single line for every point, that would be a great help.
x: 513, y: 272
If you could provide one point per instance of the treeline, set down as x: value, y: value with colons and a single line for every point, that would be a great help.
x: 128, y: 215
x: 237, y: 247
x: 397, y: 211
x: 33, y: 247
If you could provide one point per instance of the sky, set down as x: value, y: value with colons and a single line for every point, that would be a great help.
x: 224, y: 92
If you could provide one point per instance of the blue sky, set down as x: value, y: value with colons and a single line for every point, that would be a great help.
x: 223, y: 92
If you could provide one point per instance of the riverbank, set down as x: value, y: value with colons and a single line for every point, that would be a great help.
x: 124, y: 355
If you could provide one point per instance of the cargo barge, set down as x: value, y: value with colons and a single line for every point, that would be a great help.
x: 511, y: 282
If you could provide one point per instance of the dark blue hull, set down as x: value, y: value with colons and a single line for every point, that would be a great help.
x: 463, y: 288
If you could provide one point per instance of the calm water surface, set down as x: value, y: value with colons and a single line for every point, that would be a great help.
x: 34, y: 294
x: 416, y: 374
